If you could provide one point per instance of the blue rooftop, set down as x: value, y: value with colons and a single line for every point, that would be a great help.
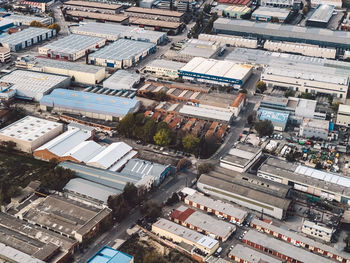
x: 90, y: 102
x: 110, y: 255
x: 274, y: 116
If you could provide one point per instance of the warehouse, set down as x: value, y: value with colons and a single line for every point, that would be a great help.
x: 92, y: 105
x: 30, y: 132
x: 268, y: 31
x: 107, y: 254
x: 304, y: 242
x: 123, y: 53
x: 269, y: 14
x: 79, y: 15
x: 216, y: 72
x: 314, y: 182
x: 317, y: 230
x: 206, y: 112
x: 122, y: 80
x: 156, y: 14
x: 31, y: 85
x: 343, y: 116
x: 5, y: 24
x: 202, y: 223
x: 82, y: 73
x: 113, y: 32
x: 280, y: 249
x: 278, y: 3
x: 241, y: 253
x: 163, y: 68
x: 93, y: 6
x: 313, y: 79
x: 26, y: 38
x: 279, y: 119
x: 172, y: 28
x: 321, y: 16
x: 217, y: 207
x: 313, y: 128
x: 71, y: 47
x: 238, y: 103
x: 336, y: 3
x: 22, y: 20
x: 241, y: 158
x: 233, y: 41
x: 178, y: 233
x: 236, y: 11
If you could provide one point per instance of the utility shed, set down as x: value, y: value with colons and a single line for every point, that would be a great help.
x: 122, y: 80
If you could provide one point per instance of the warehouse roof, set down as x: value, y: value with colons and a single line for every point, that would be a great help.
x: 199, y: 48
x: 154, y: 23
x: 186, y: 233
x: 122, y: 49
x: 251, y: 255
x: 16, y: 255
x: 343, y: 108
x: 323, y: 13
x: 29, y: 128
x: 122, y: 80
x: 110, y: 255
x: 24, y: 35
x: 284, y: 31
x: 72, y: 43
x: 266, y: 12
x: 167, y: 64
x: 316, y: 123
x: 84, y: 151
x: 140, y: 168
x: 93, y: 190
x: 244, y: 152
x: 273, y: 115
x: 92, y: 4
x: 204, y: 112
x: 217, y: 205
x: 91, y: 15
x: 91, y: 102
x: 28, y: 19
x: 159, y: 12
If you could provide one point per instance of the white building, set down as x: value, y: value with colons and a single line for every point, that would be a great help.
x: 317, y: 230
x: 277, y: 3
x: 233, y: 41
x: 207, y: 112
x: 241, y: 158
x: 5, y: 54
x: 122, y: 80
x: 336, y: 3
x: 30, y: 132
x: 163, y: 68
x: 314, y: 128
x: 22, y: 20
x: 71, y: 47
x: 33, y: 85
x: 343, y: 116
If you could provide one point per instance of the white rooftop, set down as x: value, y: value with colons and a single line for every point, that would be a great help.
x: 29, y: 128
x: 122, y: 80
x: 15, y: 255
x: 344, y: 108
x: 251, y: 255
x: 167, y: 64
x: 207, y: 112
x: 84, y: 151
x: 24, y: 35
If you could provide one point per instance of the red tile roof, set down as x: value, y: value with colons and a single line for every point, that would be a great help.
x: 182, y: 216
x: 238, y: 100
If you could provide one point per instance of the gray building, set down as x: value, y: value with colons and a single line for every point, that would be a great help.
x: 313, y: 128
x: 321, y: 16
x: 122, y: 80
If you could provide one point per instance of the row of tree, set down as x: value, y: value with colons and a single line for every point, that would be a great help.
x: 53, y: 26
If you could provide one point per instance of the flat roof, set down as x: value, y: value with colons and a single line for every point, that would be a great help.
x: 166, y: 64
x: 109, y: 17
x: 316, y: 123
x: 122, y: 80
x: 140, y: 168
x: 343, y: 108
x: 243, y: 153
x: 154, y: 23
x: 326, y: 36
x: 73, y: 43
x: 160, y: 12
x: 206, y: 112
x: 199, y: 48
x: 186, y: 233
x: 282, y: 247
x: 251, y: 255
x: 110, y: 255
x: 92, y: 4
x: 24, y: 35
x: 27, y: 19
x: 91, y: 102
x: 265, y: 11
x: 16, y: 255
x: 122, y: 49
x: 29, y: 129
x: 323, y: 13
x: 274, y: 116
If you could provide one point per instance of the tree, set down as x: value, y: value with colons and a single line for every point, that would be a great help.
x: 306, y: 10
x: 264, y: 128
x: 9, y: 146
x: 126, y: 125
x: 162, y: 126
x: 190, y: 142
x: 149, y: 129
x: 173, y: 199
x: 130, y: 194
x: 55, y: 26
x: 335, y: 106
x: 36, y: 24
x: 204, y: 168
x: 306, y: 95
x: 151, y: 210
x: 330, y: 99
x: 318, y: 166
x: 251, y: 118
x: 207, y: 8
x: 57, y: 179
x: 261, y: 86
x: 120, y: 208
x: 152, y: 257
x: 289, y: 93
x: 290, y: 157
x: 162, y: 137
x: 161, y: 96
x: 274, y: 19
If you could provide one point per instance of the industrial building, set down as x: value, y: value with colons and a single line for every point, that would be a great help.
x: 336, y: 3
x: 122, y: 80
x: 238, y: 103
x: 322, y: 184
x: 235, y: 2
x: 82, y: 73
x: 217, y: 207
x: 300, y: 240
x: 71, y: 47
x: 202, y: 223
x: 102, y: 18
x: 280, y: 249
x: 233, y: 41
x: 178, y: 233
x: 279, y: 119
x: 317, y: 230
x: 96, y: 106
x: 241, y: 253
x: 111, y: 255
x: 163, y: 68
x: 22, y: 20
x: 300, y: 48
x: 122, y: 53
x: 93, y: 6
x: 321, y: 16
x: 278, y: 3
x: 76, y: 220
x: 30, y: 132
x: 5, y: 24
x: 280, y: 32
x: 343, y: 116
x: 5, y: 54
x: 30, y: 243
x: 236, y: 12
x: 31, y: 85
x: 241, y: 158
x: 113, y: 32
x: 216, y: 72
x: 26, y: 38
x: 314, y: 128
x: 271, y: 14
x: 156, y: 14
x: 172, y: 28
x: 206, y: 112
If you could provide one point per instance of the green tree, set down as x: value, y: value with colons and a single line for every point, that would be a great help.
x: 289, y: 93
x: 161, y: 96
x: 162, y: 126
x: 290, y: 157
x: 120, y: 208
x: 55, y: 26
x: 57, y: 179
x: 335, y: 106
x: 9, y: 146
x: 173, y: 199
x: 149, y: 129
x: 274, y: 19
x: 36, y: 24
x: 152, y: 210
x: 162, y: 137
x: 152, y: 257
x: 306, y: 95
x: 190, y: 142
x: 204, y: 168
x: 264, y: 128
x: 306, y: 10
x: 207, y: 8
x: 126, y: 125
x: 251, y: 118
x: 318, y: 166
x: 130, y: 194
x: 261, y: 86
